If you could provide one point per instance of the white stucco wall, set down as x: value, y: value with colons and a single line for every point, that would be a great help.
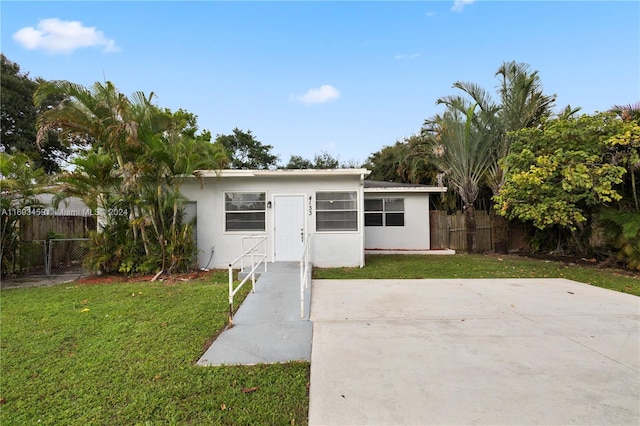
x: 328, y: 249
x: 414, y: 235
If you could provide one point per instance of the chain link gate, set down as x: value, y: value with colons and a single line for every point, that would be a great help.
x: 66, y: 255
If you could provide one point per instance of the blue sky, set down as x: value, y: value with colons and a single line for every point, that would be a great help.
x: 347, y: 78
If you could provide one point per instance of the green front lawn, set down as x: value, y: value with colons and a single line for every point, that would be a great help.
x: 124, y: 353
x: 481, y: 266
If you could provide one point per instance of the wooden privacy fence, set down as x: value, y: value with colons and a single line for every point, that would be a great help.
x: 43, y: 227
x: 449, y: 232
x: 48, y: 244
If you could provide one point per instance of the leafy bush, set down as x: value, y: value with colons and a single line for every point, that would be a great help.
x: 116, y: 249
x: 19, y: 186
x: 622, y: 230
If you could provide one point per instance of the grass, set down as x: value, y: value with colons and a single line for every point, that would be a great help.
x: 481, y: 266
x: 124, y: 353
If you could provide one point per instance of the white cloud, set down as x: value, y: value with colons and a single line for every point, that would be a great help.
x: 322, y: 94
x: 56, y: 36
x: 458, y: 5
x: 403, y: 56
x: 430, y: 14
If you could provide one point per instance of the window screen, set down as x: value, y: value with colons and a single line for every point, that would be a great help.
x: 384, y: 212
x: 336, y: 211
x: 245, y: 211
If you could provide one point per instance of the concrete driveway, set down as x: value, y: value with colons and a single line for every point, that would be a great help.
x: 508, y: 351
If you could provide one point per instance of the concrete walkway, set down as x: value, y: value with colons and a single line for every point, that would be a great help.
x: 267, y: 326
x: 38, y: 280
x: 456, y: 351
x: 508, y: 351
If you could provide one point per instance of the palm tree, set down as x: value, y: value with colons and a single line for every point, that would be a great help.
x: 109, y: 122
x: 91, y: 180
x: 138, y: 159
x: 100, y: 116
x: 461, y: 149
x: 522, y: 104
x: 628, y: 112
x: 568, y: 112
x: 168, y: 159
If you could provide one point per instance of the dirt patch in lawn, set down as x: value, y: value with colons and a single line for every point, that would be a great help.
x: 609, y: 264
x: 44, y: 281
x: 167, y: 279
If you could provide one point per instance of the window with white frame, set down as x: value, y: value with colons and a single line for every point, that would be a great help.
x: 245, y: 211
x: 336, y: 211
x: 384, y: 212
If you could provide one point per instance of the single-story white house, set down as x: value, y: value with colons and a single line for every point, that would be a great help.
x: 341, y: 214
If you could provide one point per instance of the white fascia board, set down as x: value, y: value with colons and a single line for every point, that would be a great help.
x: 281, y: 173
x: 429, y: 189
x: 222, y: 173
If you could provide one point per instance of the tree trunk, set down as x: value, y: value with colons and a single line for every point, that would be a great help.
x: 470, y: 224
x: 145, y: 240
x: 634, y: 191
x: 500, y: 233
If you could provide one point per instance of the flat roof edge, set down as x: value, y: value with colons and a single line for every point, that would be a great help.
x: 431, y: 189
x: 280, y: 172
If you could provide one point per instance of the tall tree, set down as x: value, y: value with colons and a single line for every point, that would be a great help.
x: 407, y: 161
x: 298, y: 162
x: 168, y: 158
x: 461, y: 149
x: 387, y: 163
x: 622, y: 222
x: 629, y: 140
x: 246, y: 152
x: 137, y: 160
x: 18, y: 120
x: 522, y: 104
x: 324, y: 160
x: 562, y: 173
x: 100, y: 116
x: 628, y: 112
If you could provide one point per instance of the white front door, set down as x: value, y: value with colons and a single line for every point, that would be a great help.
x: 289, y: 227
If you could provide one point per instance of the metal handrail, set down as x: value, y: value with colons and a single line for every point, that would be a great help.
x: 259, y: 239
x: 251, y: 252
x: 304, y: 272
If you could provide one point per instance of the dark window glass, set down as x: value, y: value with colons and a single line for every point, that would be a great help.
x: 394, y: 219
x: 373, y: 219
x: 392, y: 212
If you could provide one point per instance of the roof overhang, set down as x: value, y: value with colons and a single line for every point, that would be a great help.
x: 293, y: 173
x: 424, y: 189
x: 376, y: 186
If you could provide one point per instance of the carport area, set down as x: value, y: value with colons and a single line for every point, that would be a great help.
x: 454, y: 351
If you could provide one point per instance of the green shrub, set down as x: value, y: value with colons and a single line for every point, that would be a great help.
x: 622, y: 230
